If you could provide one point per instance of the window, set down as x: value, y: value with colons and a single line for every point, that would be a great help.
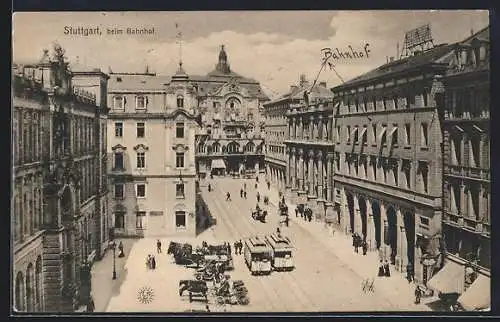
x: 119, y: 129
x: 119, y: 102
x: 180, y: 101
x: 356, y: 136
x: 348, y: 134
x: 141, y: 160
x: 179, y: 132
x: 179, y: 190
x: 141, y: 129
x: 424, y: 135
x: 140, y: 190
x: 179, y: 159
x: 180, y: 219
x: 120, y: 219
x: 424, y: 221
x: 394, y: 136
x: 474, y: 157
x: 140, y: 220
x: 407, y: 173
x: 423, y: 169
x: 119, y: 191
x: 407, y: 134
x: 118, y: 160
x: 374, y: 132
x: 141, y: 102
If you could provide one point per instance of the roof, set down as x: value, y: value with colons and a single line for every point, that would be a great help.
x: 137, y: 82
x: 317, y: 91
x: 428, y: 57
x: 483, y: 35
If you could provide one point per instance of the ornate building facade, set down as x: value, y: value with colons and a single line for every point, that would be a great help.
x: 151, y: 142
x: 388, y: 160
x: 309, y: 147
x: 231, y: 109
x: 467, y: 185
x: 57, y: 193
x: 277, y: 131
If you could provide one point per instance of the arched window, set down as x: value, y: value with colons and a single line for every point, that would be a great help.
x: 250, y: 147
x: 180, y: 101
x: 30, y: 280
x: 19, y: 293
x: 216, y: 147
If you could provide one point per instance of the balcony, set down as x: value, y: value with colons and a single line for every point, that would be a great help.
x: 467, y: 116
x: 474, y: 173
x: 471, y: 224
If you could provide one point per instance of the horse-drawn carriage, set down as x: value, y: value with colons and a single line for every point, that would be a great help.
x: 216, y: 254
x: 184, y: 255
x: 233, y: 294
x: 259, y: 214
x: 195, y: 289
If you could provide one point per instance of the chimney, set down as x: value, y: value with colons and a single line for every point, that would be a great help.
x: 303, y: 80
x: 322, y: 84
x: 391, y: 59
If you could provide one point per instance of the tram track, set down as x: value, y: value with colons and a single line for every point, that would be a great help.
x: 257, y: 228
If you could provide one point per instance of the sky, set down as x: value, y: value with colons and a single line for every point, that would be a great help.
x: 273, y: 47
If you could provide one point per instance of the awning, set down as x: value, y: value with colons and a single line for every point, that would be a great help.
x: 478, y: 295
x: 218, y: 164
x: 450, y: 279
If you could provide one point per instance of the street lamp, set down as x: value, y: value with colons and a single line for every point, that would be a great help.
x: 114, y: 260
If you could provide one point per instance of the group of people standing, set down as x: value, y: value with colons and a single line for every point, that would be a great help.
x: 384, y: 269
x: 358, y: 241
x: 151, y: 262
x: 238, y: 247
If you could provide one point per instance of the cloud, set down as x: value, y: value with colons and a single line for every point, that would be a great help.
x: 272, y: 52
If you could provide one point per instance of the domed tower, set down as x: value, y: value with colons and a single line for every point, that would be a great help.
x: 223, y: 65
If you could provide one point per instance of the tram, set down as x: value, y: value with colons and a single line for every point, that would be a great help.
x: 258, y: 255
x: 282, y: 257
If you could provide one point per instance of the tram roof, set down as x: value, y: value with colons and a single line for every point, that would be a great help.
x: 279, y: 241
x: 257, y: 243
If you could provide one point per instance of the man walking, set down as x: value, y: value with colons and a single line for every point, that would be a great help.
x: 158, y: 246
x: 228, y: 196
x: 364, y: 245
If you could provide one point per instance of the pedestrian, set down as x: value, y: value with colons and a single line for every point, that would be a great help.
x: 241, y: 193
x: 364, y: 245
x: 235, y: 247
x: 229, y: 248
x: 245, y: 194
x: 158, y: 246
x: 258, y: 197
x: 296, y: 211
x: 418, y: 294
x: 283, y: 200
x: 286, y: 220
x: 409, y: 275
x: 356, y: 242
x: 148, y: 262
x: 256, y: 185
x: 120, y: 249
x: 333, y: 232
x: 153, y: 262
x: 228, y: 196
x: 269, y: 185
x: 387, y: 270
x: 381, y: 269
x: 257, y: 179
x: 278, y: 231
x: 245, y: 186
x: 209, y: 187
x: 240, y: 246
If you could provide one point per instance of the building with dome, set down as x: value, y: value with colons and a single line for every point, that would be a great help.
x: 165, y: 130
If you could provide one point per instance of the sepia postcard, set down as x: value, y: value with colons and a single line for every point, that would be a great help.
x: 251, y: 161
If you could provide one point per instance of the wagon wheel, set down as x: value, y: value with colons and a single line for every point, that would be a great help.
x: 220, y: 300
x: 198, y: 277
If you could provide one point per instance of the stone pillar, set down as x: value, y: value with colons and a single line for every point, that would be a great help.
x: 329, y: 180
x: 300, y: 127
x: 311, y: 127
x: 321, y: 131
x: 399, y: 247
x: 464, y: 205
x: 370, y: 226
x: 344, y: 212
x: 310, y: 188
x: 301, y: 170
x: 320, y: 175
x: 384, y: 227
x: 357, y: 216
x: 320, y: 210
x: 293, y: 169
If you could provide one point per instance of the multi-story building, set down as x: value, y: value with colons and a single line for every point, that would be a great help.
x: 231, y: 107
x: 56, y: 194
x: 467, y: 185
x: 276, y: 128
x: 309, y: 146
x: 151, y: 142
x: 388, y: 159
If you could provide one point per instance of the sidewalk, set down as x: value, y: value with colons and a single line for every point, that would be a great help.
x: 103, y: 286
x: 396, y: 288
